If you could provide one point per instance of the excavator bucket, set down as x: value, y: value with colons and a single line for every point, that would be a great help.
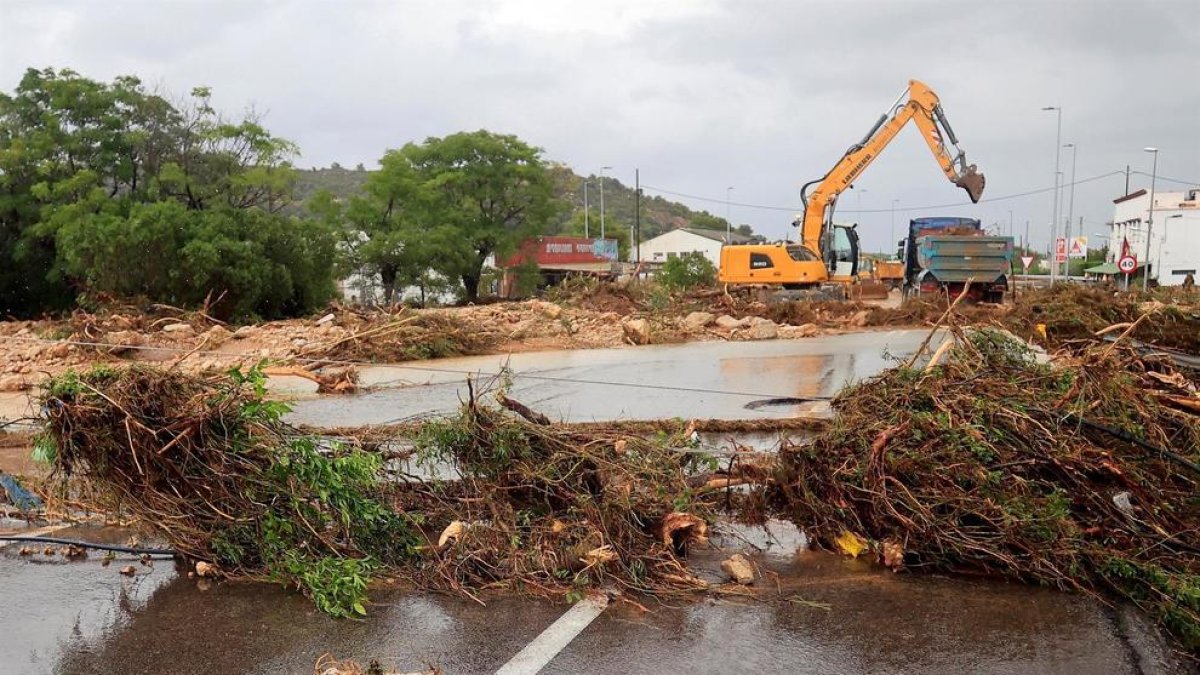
x: 972, y: 181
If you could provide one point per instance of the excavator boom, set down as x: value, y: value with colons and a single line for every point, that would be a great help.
x: 830, y: 253
x: 922, y: 108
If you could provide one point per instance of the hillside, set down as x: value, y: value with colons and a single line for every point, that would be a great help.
x: 658, y: 214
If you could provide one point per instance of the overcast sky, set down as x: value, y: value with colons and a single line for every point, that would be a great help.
x: 699, y: 94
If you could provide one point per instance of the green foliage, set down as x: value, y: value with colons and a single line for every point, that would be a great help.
x: 444, y: 206
x: 687, y: 271
x: 111, y: 189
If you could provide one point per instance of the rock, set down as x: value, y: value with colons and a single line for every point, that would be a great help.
x: 217, y: 335
x: 244, y: 332
x: 762, y: 329
x: 728, y: 322
x: 739, y: 569
x: 697, y: 320
x: 123, y: 341
x: 60, y: 350
x: 549, y: 309
x: 183, y: 329
x: 808, y: 330
x: 13, y: 383
x: 637, y: 330
x: 328, y: 318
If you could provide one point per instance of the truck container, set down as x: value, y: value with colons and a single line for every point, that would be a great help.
x: 942, y: 253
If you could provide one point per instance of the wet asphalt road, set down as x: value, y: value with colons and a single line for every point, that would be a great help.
x: 820, y: 614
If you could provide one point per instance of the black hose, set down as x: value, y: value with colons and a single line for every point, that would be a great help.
x: 87, y: 544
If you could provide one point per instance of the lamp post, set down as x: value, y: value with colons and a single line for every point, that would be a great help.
x: 892, y: 236
x: 728, y: 221
x: 1071, y: 207
x: 1054, y: 213
x: 602, y: 169
x: 586, y: 230
x: 1150, y: 218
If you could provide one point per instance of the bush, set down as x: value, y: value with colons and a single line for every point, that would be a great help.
x: 688, y: 271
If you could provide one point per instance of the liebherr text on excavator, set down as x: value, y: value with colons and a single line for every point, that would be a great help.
x: 829, y: 253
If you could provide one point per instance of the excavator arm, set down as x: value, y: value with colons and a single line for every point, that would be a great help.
x: 923, y: 108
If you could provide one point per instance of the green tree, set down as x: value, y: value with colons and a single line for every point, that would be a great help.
x: 441, y: 208
x: 107, y: 187
x: 481, y: 195
x: 688, y: 271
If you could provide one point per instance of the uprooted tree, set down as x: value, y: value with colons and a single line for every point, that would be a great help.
x: 1082, y: 473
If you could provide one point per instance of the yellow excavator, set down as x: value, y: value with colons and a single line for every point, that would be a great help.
x: 827, y: 252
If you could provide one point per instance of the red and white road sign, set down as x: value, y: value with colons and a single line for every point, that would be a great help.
x: 1127, y: 264
x: 1060, y: 249
x: 1026, y: 260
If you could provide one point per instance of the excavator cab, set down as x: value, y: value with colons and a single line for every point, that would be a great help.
x: 842, y: 253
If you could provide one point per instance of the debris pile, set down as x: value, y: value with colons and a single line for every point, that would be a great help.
x: 1080, y: 473
x: 210, y: 466
x: 547, y: 510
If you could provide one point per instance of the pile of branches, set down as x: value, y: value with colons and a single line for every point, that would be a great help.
x: 1082, y: 474
x: 1075, y: 312
x: 209, y: 465
x: 406, y: 336
x: 550, y: 510
x: 521, y: 504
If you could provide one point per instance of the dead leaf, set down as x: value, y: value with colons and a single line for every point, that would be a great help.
x: 600, y: 556
x: 850, y: 544
x: 893, y: 554
x: 129, y: 570
x: 206, y: 570
x: 452, y: 532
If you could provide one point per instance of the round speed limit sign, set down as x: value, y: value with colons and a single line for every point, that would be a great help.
x: 1127, y: 264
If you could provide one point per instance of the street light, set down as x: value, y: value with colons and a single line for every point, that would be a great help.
x: 728, y: 222
x: 1150, y: 218
x: 602, y: 169
x: 1054, y: 213
x: 586, y: 231
x: 1071, y: 208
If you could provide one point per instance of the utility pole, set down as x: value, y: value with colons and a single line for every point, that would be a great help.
x: 892, y: 235
x: 1149, y: 220
x: 637, y: 214
x: 728, y: 219
x: 1071, y: 208
x: 602, y: 199
x: 586, y: 232
x: 1025, y: 240
x: 1054, y: 213
x: 1126, y: 179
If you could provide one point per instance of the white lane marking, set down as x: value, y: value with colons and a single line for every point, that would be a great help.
x: 555, y: 638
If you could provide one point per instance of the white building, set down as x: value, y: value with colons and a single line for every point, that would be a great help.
x: 1174, y: 234
x: 688, y: 240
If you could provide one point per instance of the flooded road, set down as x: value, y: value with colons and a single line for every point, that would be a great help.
x: 702, y: 380
x: 823, y: 614
x: 818, y: 613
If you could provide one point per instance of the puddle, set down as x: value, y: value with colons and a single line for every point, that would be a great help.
x: 707, y: 380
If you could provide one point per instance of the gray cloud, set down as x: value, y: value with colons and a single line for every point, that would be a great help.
x: 763, y: 96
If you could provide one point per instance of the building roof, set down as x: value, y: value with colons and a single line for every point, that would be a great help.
x: 717, y: 235
x: 1132, y: 195
x: 1105, y: 268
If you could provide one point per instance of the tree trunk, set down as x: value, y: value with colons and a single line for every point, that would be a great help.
x: 471, y: 285
x: 387, y: 274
